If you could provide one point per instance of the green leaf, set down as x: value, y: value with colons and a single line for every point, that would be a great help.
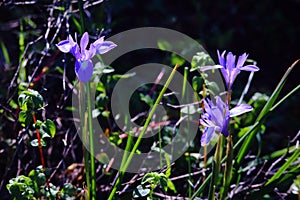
x: 68, y: 191
x: 164, y: 183
x: 5, y: 52
x: 140, y: 191
x: 201, y: 59
x: 285, y: 166
x: 171, y: 186
x: 149, y: 177
x: 197, y: 83
x: 164, y: 45
x: 36, y: 98
x: 147, y: 99
x: 35, y: 143
x: 175, y: 59
x: 261, y: 117
x: 51, y: 127
x: 25, y: 118
x: 38, y: 124
x: 38, y: 177
x: 103, y: 158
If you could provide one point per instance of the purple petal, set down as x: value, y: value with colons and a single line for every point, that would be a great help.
x: 207, y: 135
x: 84, y: 70
x: 217, y: 116
x: 225, y: 74
x: 221, y: 58
x: 232, y: 78
x: 98, y: 42
x: 241, y: 60
x: 205, y: 68
x: 220, y: 103
x: 250, y: 68
x: 224, y: 130
x: 75, y: 51
x: 230, y: 61
x: 207, y: 105
x: 105, y: 47
x: 240, y: 109
x: 206, y: 123
x: 64, y: 46
x: 84, y: 42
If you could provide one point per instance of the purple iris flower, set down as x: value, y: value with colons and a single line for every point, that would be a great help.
x: 229, y: 68
x: 216, y: 117
x: 84, y: 64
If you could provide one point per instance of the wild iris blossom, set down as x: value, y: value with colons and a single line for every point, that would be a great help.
x: 216, y: 117
x: 229, y: 68
x: 84, y: 65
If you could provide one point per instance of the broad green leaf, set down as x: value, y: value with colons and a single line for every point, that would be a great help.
x: 164, y: 183
x: 25, y: 118
x: 171, y: 186
x: 51, y: 127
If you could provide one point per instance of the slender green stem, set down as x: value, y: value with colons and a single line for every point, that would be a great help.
x: 91, y: 142
x: 228, y: 168
x: 160, y: 147
x: 216, y: 166
x: 237, y: 144
x: 83, y: 117
x: 184, y: 94
x: 285, y: 97
x: 136, y: 145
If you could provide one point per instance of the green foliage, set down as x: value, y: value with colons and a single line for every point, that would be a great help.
x: 47, y: 128
x: 201, y: 59
x: 295, y: 187
x: 35, y: 186
x: 29, y: 101
x: 150, y: 181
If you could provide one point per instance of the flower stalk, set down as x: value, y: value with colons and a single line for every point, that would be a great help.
x: 124, y: 167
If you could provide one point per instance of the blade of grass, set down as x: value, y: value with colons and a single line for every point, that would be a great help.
x: 289, y: 176
x: 285, y: 97
x: 285, y: 166
x: 266, y: 109
x: 91, y: 142
x: 4, y: 52
x: 137, y: 143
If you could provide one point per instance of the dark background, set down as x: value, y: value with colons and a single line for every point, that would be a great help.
x: 269, y: 30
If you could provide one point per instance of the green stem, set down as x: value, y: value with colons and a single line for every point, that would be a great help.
x: 216, y: 166
x: 183, y: 94
x: 83, y: 117
x: 136, y: 145
x: 91, y: 142
x: 228, y: 168
x: 82, y: 24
